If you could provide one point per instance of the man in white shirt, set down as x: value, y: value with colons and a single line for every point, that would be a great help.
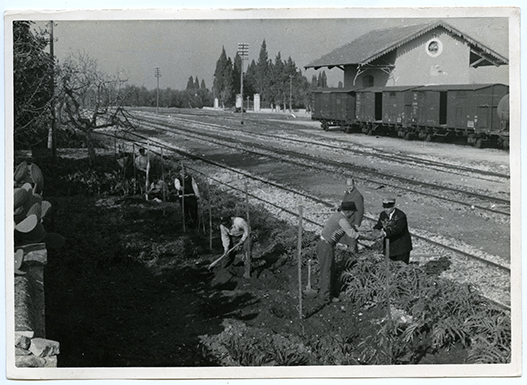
x: 235, y: 237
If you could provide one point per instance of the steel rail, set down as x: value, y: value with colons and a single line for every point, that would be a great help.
x: 407, y: 158
x: 350, y: 168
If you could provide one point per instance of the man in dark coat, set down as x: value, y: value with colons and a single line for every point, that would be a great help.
x: 352, y: 194
x: 188, y: 195
x: 394, y: 226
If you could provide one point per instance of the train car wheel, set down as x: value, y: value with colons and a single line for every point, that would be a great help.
x: 429, y: 138
x: 408, y: 136
x: 479, y: 143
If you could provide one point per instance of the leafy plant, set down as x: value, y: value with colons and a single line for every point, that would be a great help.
x: 441, y: 313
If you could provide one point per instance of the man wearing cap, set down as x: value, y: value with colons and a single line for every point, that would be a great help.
x: 335, y: 228
x: 352, y: 194
x: 394, y: 226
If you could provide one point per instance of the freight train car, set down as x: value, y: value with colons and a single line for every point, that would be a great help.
x: 451, y: 113
x: 384, y: 111
x: 466, y: 113
x: 334, y: 107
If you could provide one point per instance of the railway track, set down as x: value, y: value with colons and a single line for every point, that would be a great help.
x: 481, y: 263
x: 403, y: 159
x: 472, y: 200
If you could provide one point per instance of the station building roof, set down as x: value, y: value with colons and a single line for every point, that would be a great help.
x: 374, y: 44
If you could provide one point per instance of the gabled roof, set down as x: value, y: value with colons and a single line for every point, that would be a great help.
x: 372, y: 45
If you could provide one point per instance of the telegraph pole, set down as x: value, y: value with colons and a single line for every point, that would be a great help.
x: 243, y: 51
x: 157, y: 74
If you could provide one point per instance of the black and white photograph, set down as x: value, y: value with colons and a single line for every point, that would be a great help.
x: 254, y: 193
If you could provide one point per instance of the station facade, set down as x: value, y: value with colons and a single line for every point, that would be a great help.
x: 425, y: 54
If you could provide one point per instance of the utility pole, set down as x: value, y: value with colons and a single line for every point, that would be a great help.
x: 243, y: 51
x: 157, y: 74
x: 52, y: 142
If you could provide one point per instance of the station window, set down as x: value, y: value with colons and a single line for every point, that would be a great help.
x: 434, y: 47
x: 367, y: 81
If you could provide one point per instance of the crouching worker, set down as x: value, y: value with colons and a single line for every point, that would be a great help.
x: 335, y: 228
x: 235, y: 238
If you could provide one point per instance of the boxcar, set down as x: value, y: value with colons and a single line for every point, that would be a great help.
x: 467, y: 112
x: 334, y: 107
x: 397, y: 109
x: 369, y: 109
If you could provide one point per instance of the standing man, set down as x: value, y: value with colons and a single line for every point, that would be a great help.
x: 394, y: 226
x: 141, y: 161
x: 188, y: 193
x: 142, y: 165
x: 235, y: 235
x: 335, y: 228
x: 352, y: 194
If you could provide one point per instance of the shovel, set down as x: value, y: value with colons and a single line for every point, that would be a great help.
x: 220, y: 258
x: 309, y: 290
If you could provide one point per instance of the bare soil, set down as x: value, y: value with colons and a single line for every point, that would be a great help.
x: 132, y: 289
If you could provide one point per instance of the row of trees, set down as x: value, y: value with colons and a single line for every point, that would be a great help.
x: 279, y: 83
x: 191, y: 97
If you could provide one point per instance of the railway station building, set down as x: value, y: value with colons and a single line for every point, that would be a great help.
x: 425, y: 54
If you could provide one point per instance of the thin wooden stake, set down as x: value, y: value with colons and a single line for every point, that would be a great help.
x: 183, y: 195
x: 147, y: 170
x: 210, y: 214
x: 388, y: 309
x: 248, y: 255
x: 163, y: 195
x: 300, y: 261
x: 135, y: 171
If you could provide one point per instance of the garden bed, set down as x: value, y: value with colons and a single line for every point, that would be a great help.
x: 131, y: 288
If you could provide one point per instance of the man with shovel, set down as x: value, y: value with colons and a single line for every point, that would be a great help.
x: 234, y: 237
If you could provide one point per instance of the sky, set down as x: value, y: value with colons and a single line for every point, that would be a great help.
x: 191, y: 47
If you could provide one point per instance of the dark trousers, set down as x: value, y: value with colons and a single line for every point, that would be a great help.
x: 191, y: 210
x: 401, y: 257
x: 328, y: 274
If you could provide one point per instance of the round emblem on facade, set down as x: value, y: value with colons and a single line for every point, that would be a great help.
x: 434, y: 47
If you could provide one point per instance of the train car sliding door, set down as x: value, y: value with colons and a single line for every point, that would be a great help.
x: 378, y: 106
x: 442, y: 107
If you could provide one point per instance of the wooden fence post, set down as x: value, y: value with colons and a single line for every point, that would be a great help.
x: 183, y: 194
x: 163, y: 192
x: 210, y: 214
x: 300, y: 261
x: 247, y: 273
x: 135, y: 171
x: 388, y: 309
x: 147, y: 170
